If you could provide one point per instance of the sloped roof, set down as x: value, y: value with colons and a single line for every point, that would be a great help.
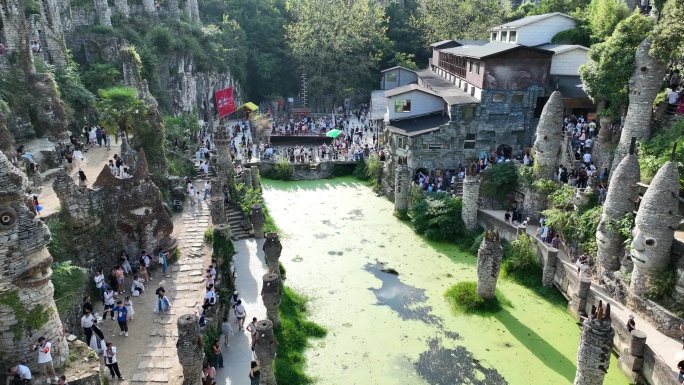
x: 560, y: 48
x: 419, y: 125
x: 447, y: 90
x: 439, y: 43
x: 472, y: 42
x: 409, y: 88
x: 529, y: 20
x: 569, y: 86
x: 489, y: 49
x: 397, y: 67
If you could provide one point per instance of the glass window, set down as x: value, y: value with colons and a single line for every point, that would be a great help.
x: 504, y: 36
x: 470, y: 66
x: 498, y: 98
x: 518, y: 98
x: 495, y: 36
x: 513, y: 37
x: 400, y: 142
x: 469, y: 145
x: 467, y: 112
x: 402, y: 105
x: 392, y: 77
x: 477, y: 68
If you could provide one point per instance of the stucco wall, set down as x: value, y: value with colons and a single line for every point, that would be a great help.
x: 568, y: 63
x: 403, y: 77
x: 421, y: 104
x: 543, y: 31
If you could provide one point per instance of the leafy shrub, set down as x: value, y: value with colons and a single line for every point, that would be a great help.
x: 520, y: 259
x: 102, y: 29
x: 653, y: 153
x: 464, y: 299
x: 209, y: 235
x: 438, y: 217
x: 499, y: 180
x: 526, y: 176
x: 361, y: 170
x: 562, y: 198
x: 578, y: 35
x: 662, y: 285
x: 283, y: 170
x: 101, y: 76
x: 545, y: 186
x: 68, y: 280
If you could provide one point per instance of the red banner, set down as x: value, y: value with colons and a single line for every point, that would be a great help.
x: 225, y: 102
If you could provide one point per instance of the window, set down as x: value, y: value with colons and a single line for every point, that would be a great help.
x: 432, y: 146
x: 477, y: 68
x: 469, y: 143
x: 392, y: 77
x: 402, y: 105
x: 495, y: 36
x: 467, y: 112
x: 518, y: 98
x: 470, y: 66
x: 498, y: 98
x: 400, y: 142
x: 513, y: 37
x: 504, y: 36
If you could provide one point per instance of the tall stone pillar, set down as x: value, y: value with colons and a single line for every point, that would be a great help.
x: 53, y: 31
x: 402, y: 188
x: 619, y: 201
x: 190, y: 348
x: 633, y: 362
x: 644, y: 85
x: 256, y: 183
x: 548, y: 141
x: 471, y: 193
x: 577, y: 306
x: 488, y: 264
x: 104, y: 14
x: 256, y: 216
x: 549, y: 269
x: 225, y: 170
x: 247, y: 177
x: 654, y: 228
x: 174, y: 12
x: 218, y: 214
x: 596, y: 343
x: 121, y: 7
x: 271, y: 294
x: 265, y: 349
x: 27, y: 307
x: 149, y: 8
x: 17, y: 36
x: 272, y: 248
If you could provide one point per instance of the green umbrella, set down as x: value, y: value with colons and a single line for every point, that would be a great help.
x: 335, y: 133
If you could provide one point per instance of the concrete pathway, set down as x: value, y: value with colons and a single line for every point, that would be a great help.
x: 664, y: 346
x: 251, y: 267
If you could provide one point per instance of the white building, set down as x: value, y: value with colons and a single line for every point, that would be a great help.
x: 533, y: 30
x: 567, y: 58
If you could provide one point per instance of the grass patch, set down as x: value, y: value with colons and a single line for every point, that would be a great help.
x: 68, y: 280
x: 464, y: 299
x: 293, y: 335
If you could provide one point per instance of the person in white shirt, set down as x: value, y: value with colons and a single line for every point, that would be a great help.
x: 45, y: 366
x: 240, y: 313
x: 99, y: 284
x: 209, y: 298
x: 587, y: 158
x: 109, y: 303
x: 21, y: 374
x: 672, y: 98
x: 110, y: 361
x: 87, y: 322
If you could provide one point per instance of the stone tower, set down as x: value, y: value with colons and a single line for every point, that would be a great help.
x: 190, y: 348
x: 121, y: 7
x: 272, y: 248
x: 247, y: 177
x: 596, y: 343
x: 149, y: 8
x: 27, y: 307
x: 548, y: 141
x: 488, y: 264
x: 256, y: 216
x: 402, y: 188
x: 644, y: 85
x: 256, y: 182
x: 104, y: 14
x: 265, y: 349
x: 174, y: 11
x: 53, y: 31
x: 471, y: 193
x: 270, y: 295
x: 192, y: 12
x: 619, y: 201
x: 17, y: 37
x: 654, y: 228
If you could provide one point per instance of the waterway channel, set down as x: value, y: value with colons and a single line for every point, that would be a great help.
x: 387, y: 329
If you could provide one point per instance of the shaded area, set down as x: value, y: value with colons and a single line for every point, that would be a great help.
x: 402, y: 298
x: 442, y: 366
x: 541, y: 349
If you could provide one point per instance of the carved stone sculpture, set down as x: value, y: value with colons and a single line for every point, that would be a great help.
x: 402, y: 188
x: 247, y: 177
x: 256, y: 216
x: 27, y: 307
x: 619, y: 201
x: 644, y: 85
x: 488, y: 264
x: 271, y: 294
x: 596, y: 343
x: 547, y: 143
x: 471, y: 193
x: 654, y: 228
x: 265, y: 349
x: 272, y: 248
x: 256, y: 182
x: 190, y: 348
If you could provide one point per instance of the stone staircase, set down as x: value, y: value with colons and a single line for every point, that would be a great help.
x: 235, y: 219
x: 458, y: 187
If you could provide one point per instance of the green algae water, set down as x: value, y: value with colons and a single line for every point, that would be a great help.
x: 387, y: 329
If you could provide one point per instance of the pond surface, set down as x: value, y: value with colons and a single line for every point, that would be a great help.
x: 389, y: 329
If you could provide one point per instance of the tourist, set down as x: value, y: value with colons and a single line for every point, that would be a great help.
x: 87, y: 322
x: 119, y: 272
x: 226, y: 330
x: 208, y: 374
x: 207, y: 189
x: 111, y: 362
x: 142, y: 270
x: 137, y: 287
x: 122, y: 318
x: 147, y: 262
x: 45, y: 366
x: 507, y: 217
x: 86, y: 304
x: 555, y: 241
x: 240, y: 313
x: 681, y: 329
x: 254, y: 374
x: 18, y: 374
x: 62, y: 380
x: 631, y: 325
x: 162, y: 304
x: 235, y: 297
x: 163, y: 262
x: 191, y: 193
x: 128, y: 304
x: 252, y: 329
x: 124, y: 263
x: 161, y: 289
x: 209, y: 299
x: 78, y: 157
x: 109, y: 303
x: 218, y: 356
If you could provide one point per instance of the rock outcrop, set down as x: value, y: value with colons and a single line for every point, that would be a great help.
x: 548, y: 141
x: 489, y: 257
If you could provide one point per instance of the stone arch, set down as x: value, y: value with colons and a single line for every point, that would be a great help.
x: 506, y: 149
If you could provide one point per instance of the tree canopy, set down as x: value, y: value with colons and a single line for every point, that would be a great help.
x: 120, y: 108
x: 446, y: 19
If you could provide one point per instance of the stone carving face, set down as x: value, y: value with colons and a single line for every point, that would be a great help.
x: 603, y: 240
x: 644, y: 249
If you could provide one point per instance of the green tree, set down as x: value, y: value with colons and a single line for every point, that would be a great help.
x: 336, y: 43
x: 100, y: 76
x: 121, y: 109
x: 408, y: 48
x: 467, y: 19
x: 564, y: 6
x: 611, y: 63
x: 603, y: 16
x: 668, y: 35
